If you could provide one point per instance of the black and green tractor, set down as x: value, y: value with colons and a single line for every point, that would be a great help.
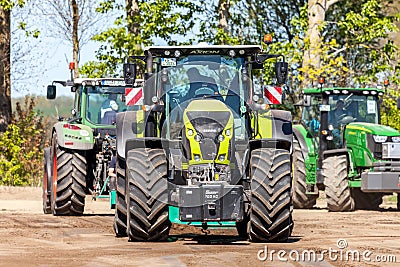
x: 340, y: 146
x: 205, y: 149
x: 82, y: 146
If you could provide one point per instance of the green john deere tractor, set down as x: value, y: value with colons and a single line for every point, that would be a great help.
x: 204, y: 150
x: 340, y: 147
x: 77, y: 161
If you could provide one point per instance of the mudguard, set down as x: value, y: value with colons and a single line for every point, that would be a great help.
x: 130, y: 125
x: 74, y: 136
x: 305, y: 142
x: 274, y: 130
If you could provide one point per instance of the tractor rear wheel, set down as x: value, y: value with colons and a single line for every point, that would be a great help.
x: 121, y: 216
x: 46, y: 181
x: 366, y: 201
x: 338, y: 196
x: 398, y: 201
x: 301, y: 200
x: 271, y: 201
x: 148, y: 195
x: 69, y: 181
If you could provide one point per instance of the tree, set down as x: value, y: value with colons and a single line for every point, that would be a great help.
x: 348, y: 43
x: 139, y: 24
x: 73, y: 21
x: 5, y: 66
x: 246, y: 21
x: 313, y: 38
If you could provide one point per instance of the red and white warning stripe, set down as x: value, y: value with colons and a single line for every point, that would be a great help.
x: 273, y: 94
x: 134, y: 96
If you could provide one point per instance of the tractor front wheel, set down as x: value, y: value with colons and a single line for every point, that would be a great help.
x: 366, y: 201
x: 147, y: 195
x: 338, y: 195
x: 121, y: 216
x: 301, y: 199
x: 271, y: 202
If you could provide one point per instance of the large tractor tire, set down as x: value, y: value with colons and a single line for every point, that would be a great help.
x: 301, y: 200
x: 366, y: 201
x: 69, y: 181
x: 338, y: 195
x: 121, y: 216
x: 398, y: 201
x: 148, y: 195
x: 46, y: 181
x: 271, y: 201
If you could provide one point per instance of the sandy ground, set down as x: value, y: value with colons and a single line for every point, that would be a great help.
x: 30, y: 238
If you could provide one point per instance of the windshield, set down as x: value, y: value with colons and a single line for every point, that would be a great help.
x: 204, y: 77
x: 103, y: 103
x: 311, y: 114
x: 217, y: 73
x: 353, y: 108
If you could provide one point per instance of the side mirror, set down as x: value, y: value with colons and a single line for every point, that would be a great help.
x: 281, y: 69
x: 306, y: 100
x: 129, y: 73
x: 257, y: 66
x: 398, y: 103
x: 51, y: 92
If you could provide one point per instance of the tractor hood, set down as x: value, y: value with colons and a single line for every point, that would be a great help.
x: 375, y: 129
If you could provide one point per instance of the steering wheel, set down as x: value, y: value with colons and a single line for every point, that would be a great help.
x: 341, y: 117
x: 347, y: 119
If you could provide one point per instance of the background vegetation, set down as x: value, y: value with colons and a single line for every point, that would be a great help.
x: 350, y: 43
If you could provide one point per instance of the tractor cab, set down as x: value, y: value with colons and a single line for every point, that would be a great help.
x: 98, y: 100
x: 335, y: 108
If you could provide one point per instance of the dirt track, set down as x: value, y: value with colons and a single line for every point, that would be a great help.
x: 30, y: 238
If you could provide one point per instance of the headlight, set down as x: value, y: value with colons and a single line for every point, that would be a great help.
x: 190, y: 132
x: 228, y: 132
x: 197, y: 137
x: 380, y: 138
x: 330, y: 127
x: 220, y: 138
x: 396, y: 139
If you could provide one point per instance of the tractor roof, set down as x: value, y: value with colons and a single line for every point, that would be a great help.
x: 344, y: 90
x: 105, y: 81
x: 203, y: 49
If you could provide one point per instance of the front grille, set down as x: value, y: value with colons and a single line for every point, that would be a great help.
x: 209, y: 125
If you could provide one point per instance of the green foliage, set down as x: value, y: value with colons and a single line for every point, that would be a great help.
x: 21, y: 147
x: 9, y: 4
x: 162, y: 19
x: 390, y: 115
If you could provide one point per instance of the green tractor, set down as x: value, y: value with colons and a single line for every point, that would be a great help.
x: 77, y: 161
x: 204, y: 150
x: 340, y: 147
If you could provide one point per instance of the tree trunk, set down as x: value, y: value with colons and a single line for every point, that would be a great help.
x: 223, y: 14
x: 132, y: 12
x: 316, y: 16
x: 5, y: 65
x: 132, y: 15
x: 75, y: 38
